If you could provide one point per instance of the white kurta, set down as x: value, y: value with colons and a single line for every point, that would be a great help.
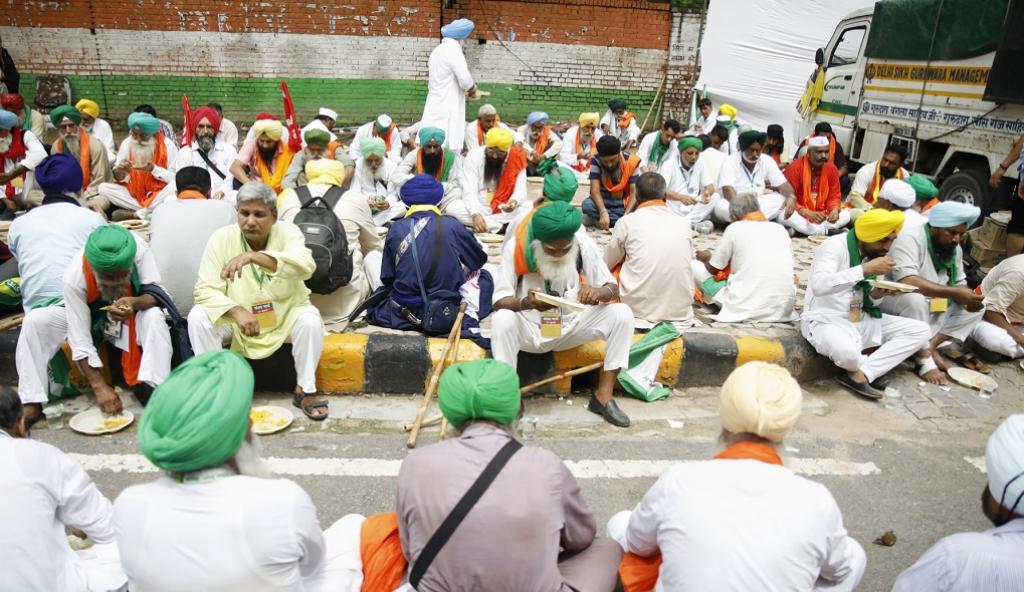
x: 228, y: 133
x: 34, y: 155
x: 102, y: 132
x: 118, y: 195
x: 569, y: 157
x: 741, y: 525
x: 761, y: 182
x: 670, y: 158
x: 554, y: 142
x: 623, y: 134
x: 476, y: 194
x: 1004, y: 294
x: 703, y: 125
x: 690, y: 182
x: 448, y: 82
x: 366, y: 131
x: 472, y: 139
x: 44, y: 490
x: 373, y: 185
x: 221, y: 156
x: 452, y: 187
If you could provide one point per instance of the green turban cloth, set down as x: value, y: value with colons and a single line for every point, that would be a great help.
x: 146, y: 123
x: 618, y: 104
x: 58, y: 115
x: 110, y: 248
x: 372, y: 147
x: 481, y: 389
x: 923, y: 187
x: 560, y: 183
x: 690, y: 142
x: 198, y: 418
x: 431, y: 134
x: 749, y: 137
x: 317, y: 137
x: 556, y: 221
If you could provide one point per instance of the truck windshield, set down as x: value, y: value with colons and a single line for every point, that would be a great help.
x: 847, y: 49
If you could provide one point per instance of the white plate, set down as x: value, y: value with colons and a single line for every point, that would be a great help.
x: 817, y: 239
x: 894, y: 286
x: 972, y: 379
x: 275, y: 419
x: 93, y: 422
x: 490, y: 238
x: 562, y: 302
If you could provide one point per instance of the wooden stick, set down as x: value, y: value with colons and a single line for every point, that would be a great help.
x: 657, y: 96
x: 451, y: 360
x: 435, y: 375
x: 11, y: 322
x: 426, y: 422
x: 563, y: 375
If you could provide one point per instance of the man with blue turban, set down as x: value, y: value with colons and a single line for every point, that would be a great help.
x: 445, y: 165
x: 143, y: 168
x: 540, y: 141
x: 929, y: 256
x: 20, y: 152
x: 449, y: 82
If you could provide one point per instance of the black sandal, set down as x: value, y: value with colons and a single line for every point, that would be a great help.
x: 308, y: 408
x: 861, y: 389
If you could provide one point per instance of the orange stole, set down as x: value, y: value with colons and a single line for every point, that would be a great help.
x: 142, y: 185
x: 876, y: 184
x: 831, y: 147
x: 542, y: 142
x: 281, y: 163
x: 640, y: 574
x: 84, y: 154
x: 622, y: 187
x: 386, y: 136
x: 806, y: 197
x: 481, y: 133
x: 332, y: 147
x: 131, y: 359
x: 934, y: 202
x: 521, y: 231
x: 380, y: 548
x: 583, y: 166
x: 627, y: 119
x: 514, y: 164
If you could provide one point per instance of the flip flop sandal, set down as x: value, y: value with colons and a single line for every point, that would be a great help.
x: 861, y: 389
x: 308, y: 408
x: 971, y: 362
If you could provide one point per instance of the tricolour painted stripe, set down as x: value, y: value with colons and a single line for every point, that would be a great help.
x: 377, y: 467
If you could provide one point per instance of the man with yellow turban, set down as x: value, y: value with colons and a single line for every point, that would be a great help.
x: 373, y: 173
x: 842, y: 318
x: 742, y: 521
x: 533, y: 494
x: 547, y: 255
x: 143, y: 170
x: 930, y: 257
x: 445, y: 165
x: 580, y: 145
x: 217, y: 519
x: 268, y: 158
x: 97, y: 127
x: 365, y: 245
x: 494, y: 182
x: 690, y: 190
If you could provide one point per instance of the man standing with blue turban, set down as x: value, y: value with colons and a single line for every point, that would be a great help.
x: 929, y: 256
x: 449, y: 83
x: 144, y: 166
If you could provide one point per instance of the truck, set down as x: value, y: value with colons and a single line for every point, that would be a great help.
x: 943, y: 78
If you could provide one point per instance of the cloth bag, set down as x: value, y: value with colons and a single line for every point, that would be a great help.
x: 639, y: 380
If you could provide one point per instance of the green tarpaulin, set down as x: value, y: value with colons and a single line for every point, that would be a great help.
x: 902, y: 29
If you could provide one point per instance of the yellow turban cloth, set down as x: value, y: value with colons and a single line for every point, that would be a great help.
x: 499, y: 137
x: 876, y: 224
x: 325, y: 171
x: 589, y: 118
x: 761, y: 399
x: 90, y: 108
x: 271, y: 127
x: 727, y: 110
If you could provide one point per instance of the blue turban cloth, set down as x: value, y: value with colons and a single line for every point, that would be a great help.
x: 458, y: 29
x: 952, y: 213
x: 146, y: 123
x: 429, y: 134
x: 422, y: 190
x: 536, y: 117
x: 59, y: 173
x: 8, y: 120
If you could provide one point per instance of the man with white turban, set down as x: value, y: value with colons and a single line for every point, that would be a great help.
x: 899, y: 196
x: 580, y: 145
x: 267, y: 159
x: 448, y: 84
x: 819, y: 197
x: 385, y: 129
x: 20, y: 152
x: 493, y: 182
x: 143, y: 168
x: 930, y: 258
x: 741, y: 521
x: 540, y: 141
x: 989, y: 560
x: 476, y: 130
x: 841, y: 316
x: 324, y: 120
x: 445, y: 165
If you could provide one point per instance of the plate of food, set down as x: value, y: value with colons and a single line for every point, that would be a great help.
x: 270, y: 419
x: 816, y: 239
x: 972, y: 379
x: 490, y: 238
x: 893, y: 286
x: 561, y: 302
x: 93, y: 422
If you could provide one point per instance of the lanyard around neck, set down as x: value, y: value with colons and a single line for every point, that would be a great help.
x: 257, y: 274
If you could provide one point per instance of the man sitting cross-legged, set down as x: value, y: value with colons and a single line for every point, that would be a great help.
x: 819, y: 199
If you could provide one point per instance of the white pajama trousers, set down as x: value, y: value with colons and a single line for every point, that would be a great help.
x: 997, y: 340
x: 771, y: 206
x: 843, y: 342
x: 45, y: 329
x: 512, y: 332
x: 956, y: 323
x: 807, y: 228
x: 117, y: 195
x: 307, y: 341
x: 699, y: 211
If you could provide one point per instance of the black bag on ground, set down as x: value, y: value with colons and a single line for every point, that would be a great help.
x: 325, y: 237
x: 181, y: 347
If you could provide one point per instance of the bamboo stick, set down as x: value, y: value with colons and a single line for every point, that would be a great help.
x: 435, y: 375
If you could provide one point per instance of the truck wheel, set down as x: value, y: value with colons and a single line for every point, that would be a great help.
x: 967, y: 186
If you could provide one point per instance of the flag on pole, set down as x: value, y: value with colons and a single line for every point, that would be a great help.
x: 294, y: 134
x: 186, y: 133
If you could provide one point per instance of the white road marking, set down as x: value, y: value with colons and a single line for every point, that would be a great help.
x: 378, y: 467
x: 978, y: 462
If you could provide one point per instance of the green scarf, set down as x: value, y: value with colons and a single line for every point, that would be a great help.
x: 949, y: 265
x: 869, y: 305
x: 28, y: 119
x: 449, y: 160
x: 658, y: 150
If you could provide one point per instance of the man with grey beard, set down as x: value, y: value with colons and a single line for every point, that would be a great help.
x: 206, y: 152
x: 88, y: 151
x: 144, y: 167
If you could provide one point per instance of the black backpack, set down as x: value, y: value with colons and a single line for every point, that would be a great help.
x: 325, y: 237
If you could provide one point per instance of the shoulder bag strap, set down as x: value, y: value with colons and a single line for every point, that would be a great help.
x: 210, y: 165
x: 416, y: 264
x: 461, y: 510
x: 332, y: 196
x: 304, y: 195
x: 438, y: 244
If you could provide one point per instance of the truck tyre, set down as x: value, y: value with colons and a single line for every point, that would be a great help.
x: 968, y: 186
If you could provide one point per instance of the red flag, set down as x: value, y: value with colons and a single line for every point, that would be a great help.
x: 186, y: 133
x: 294, y: 134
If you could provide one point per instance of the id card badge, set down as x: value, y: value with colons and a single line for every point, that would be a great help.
x: 939, y: 305
x: 856, y: 307
x: 112, y: 330
x: 551, y: 323
x: 263, y: 310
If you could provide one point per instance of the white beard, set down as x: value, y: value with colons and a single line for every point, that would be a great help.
x: 559, y: 271
x: 71, y: 144
x: 110, y: 291
x: 142, y: 152
x: 5, y: 143
x: 249, y: 461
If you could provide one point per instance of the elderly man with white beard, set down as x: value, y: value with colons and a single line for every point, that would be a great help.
x: 580, y: 145
x: 552, y: 259
x: 97, y: 126
x: 144, y: 166
x: 373, y: 181
x: 540, y: 140
x: 88, y: 151
x: 318, y: 145
x: 20, y: 152
x: 206, y: 152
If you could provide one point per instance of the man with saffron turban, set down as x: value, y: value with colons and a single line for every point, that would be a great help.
x: 547, y: 255
x: 386, y: 130
x: 771, y: 529
x: 580, y: 145
x: 842, y: 318
x: 690, y: 190
x: 620, y: 122
x: 373, y: 172
x: 449, y: 82
x: 750, y: 171
x: 533, y: 494
x: 613, y: 177
x: 74, y: 140
x: 494, y: 181
x: 144, y: 166
x: 445, y: 165
x: 819, y: 198
x: 540, y: 141
x: 267, y: 160
x: 96, y: 126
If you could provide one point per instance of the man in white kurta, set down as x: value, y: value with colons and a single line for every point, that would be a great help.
x: 690, y: 188
x: 448, y: 83
x: 539, y: 139
x: 385, y: 129
x: 476, y: 130
x: 373, y: 173
x: 365, y: 245
x: 144, y: 166
x: 444, y: 164
x: 324, y: 121
x: 208, y: 153
x: 1003, y: 288
x: 752, y: 171
x: 841, y: 318
x: 480, y: 190
x: 97, y: 127
x: 654, y: 249
x: 659, y: 150
x: 743, y: 521
x: 43, y: 492
x: 579, y: 145
x: 228, y: 132
x: 20, y: 152
x: 621, y: 123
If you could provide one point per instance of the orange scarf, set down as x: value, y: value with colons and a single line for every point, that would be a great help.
x: 191, y: 194
x: 627, y: 119
x: 585, y: 165
x: 623, y: 187
x: 806, y: 196
x: 131, y: 359
x: 142, y: 185
x: 522, y: 231
x: 640, y: 574
x: 514, y: 164
x: 332, y: 147
x: 934, y: 202
x: 542, y: 142
x: 281, y: 163
x: 380, y: 549
x: 387, y: 136
x: 877, y: 182
x: 481, y: 133
x: 84, y: 154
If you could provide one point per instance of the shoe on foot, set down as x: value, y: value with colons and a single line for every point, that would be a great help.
x: 882, y: 382
x: 861, y: 389
x: 610, y: 412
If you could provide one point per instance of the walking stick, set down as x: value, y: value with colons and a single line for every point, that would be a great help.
x: 435, y: 375
x: 563, y: 375
x: 11, y: 322
x: 454, y: 356
x: 433, y: 419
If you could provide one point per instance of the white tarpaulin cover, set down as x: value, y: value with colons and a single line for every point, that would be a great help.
x: 757, y: 56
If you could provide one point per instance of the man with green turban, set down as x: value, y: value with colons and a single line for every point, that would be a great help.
x: 143, y: 168
x: 751, y: 171
x: 533, y: 495
x: 317, y: 145
x: 383, y: 129
x: 373, y: 181
x: 73, y: 139
x: 620, y: 122
x: 926, y: 197
x: 560, y: 184
x: 103, y: 303
x: 690, y: 187
x: 432, y: 158
x: 547, y: 255
x: 217, y: 519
